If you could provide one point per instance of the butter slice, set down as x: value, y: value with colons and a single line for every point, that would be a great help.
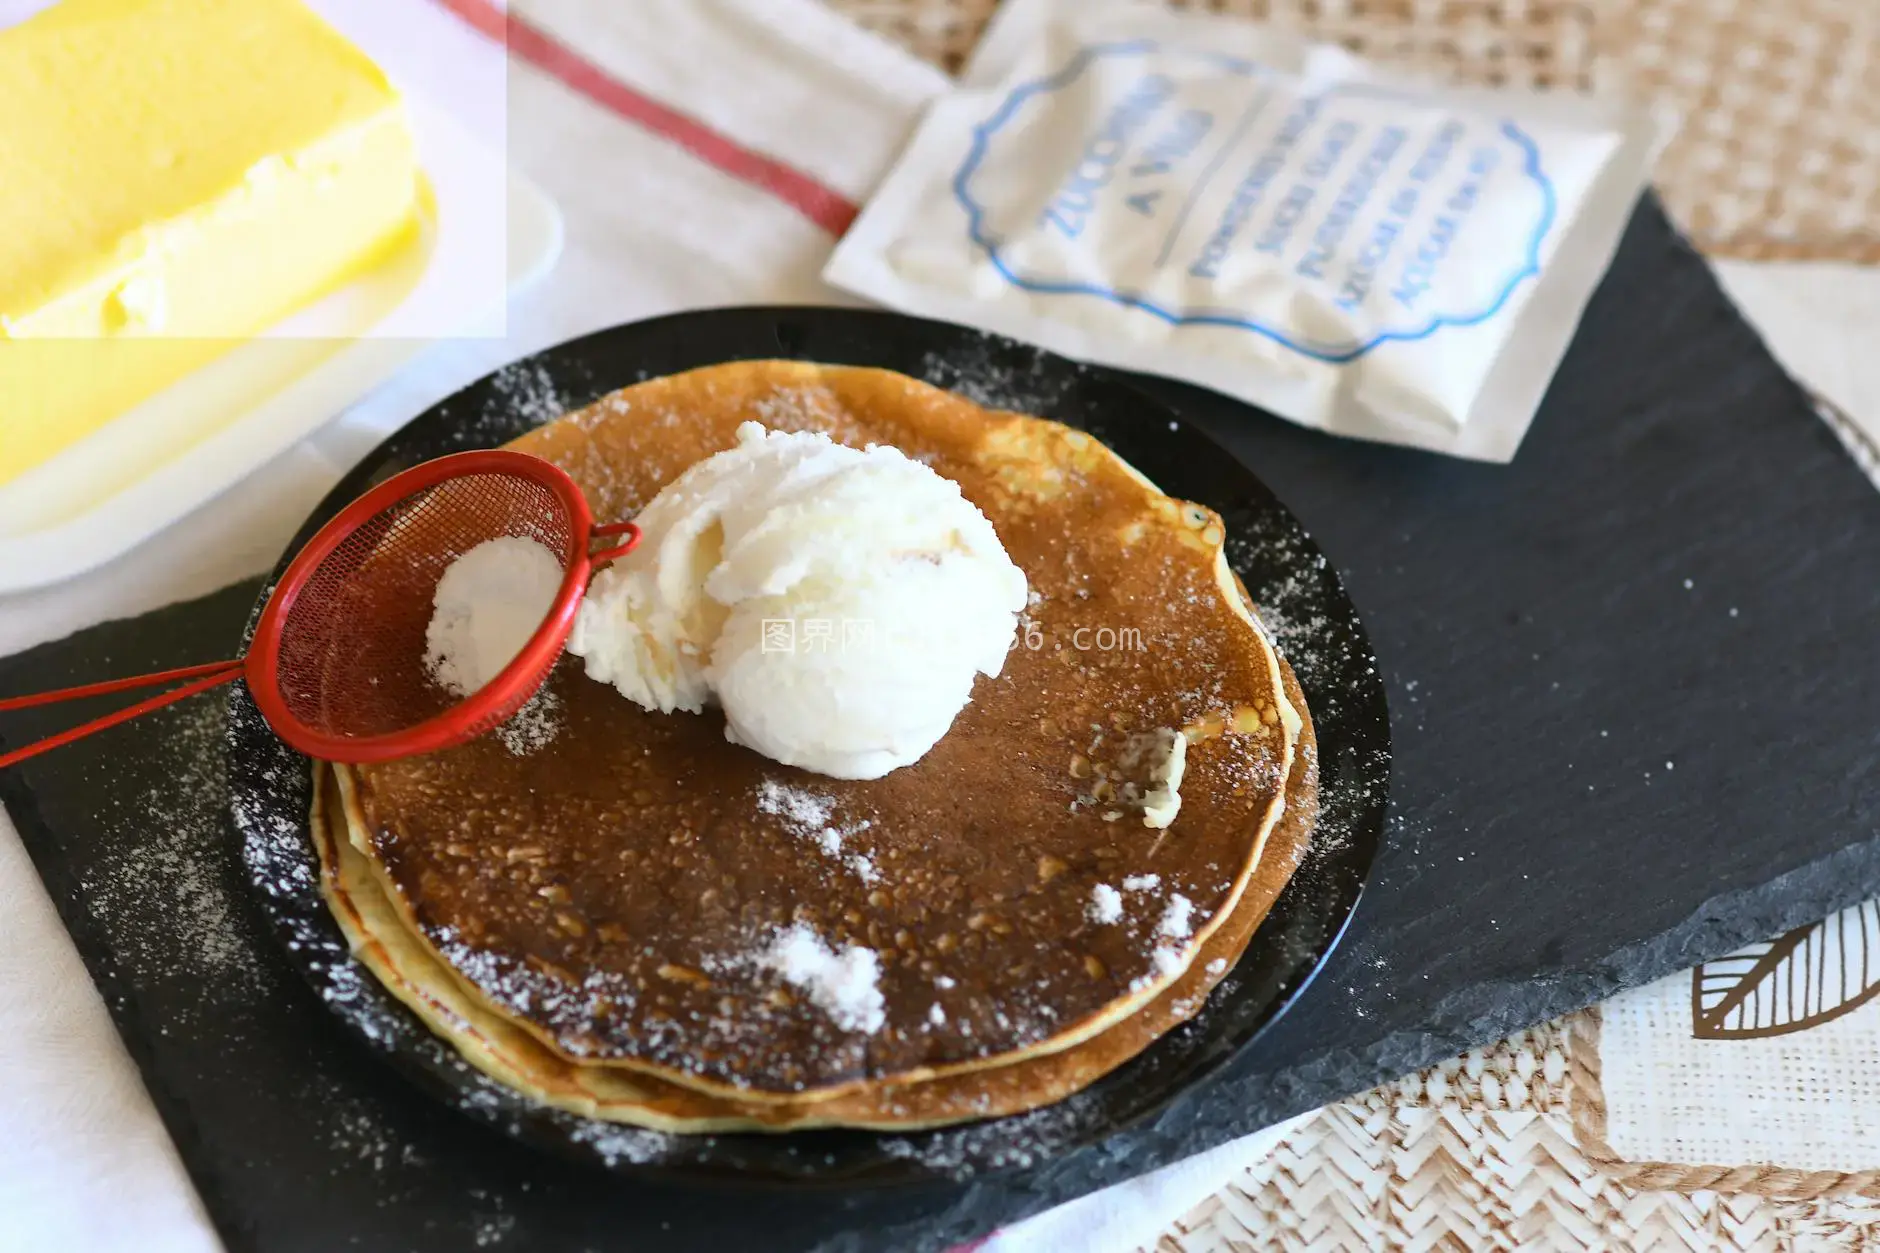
x: 175, y: 176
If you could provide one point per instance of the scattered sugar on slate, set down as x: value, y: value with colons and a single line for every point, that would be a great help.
x: 165, y: 887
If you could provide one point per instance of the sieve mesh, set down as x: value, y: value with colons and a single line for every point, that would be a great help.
x: 352, y: 644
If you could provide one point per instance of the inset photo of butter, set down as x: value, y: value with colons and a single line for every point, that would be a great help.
x: 220, y: 222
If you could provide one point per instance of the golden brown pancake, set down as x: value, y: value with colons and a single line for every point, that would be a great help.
x: 514, y: 1057
x: 610, y: 892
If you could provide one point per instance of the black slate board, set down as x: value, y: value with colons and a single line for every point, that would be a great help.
x: 1541, y: 854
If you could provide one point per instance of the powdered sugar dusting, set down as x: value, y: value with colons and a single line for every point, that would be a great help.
x: 1295, y: 594
x: 805, y: 812
x: 1106, y: 905
x: 527, y: 390
x: 1178, y: 919
x: 1000, y: 374
x: 1290, y: 598
x: 808, y: 815
x: 534, y: 726
x: 1166, y: 963
x: 170, y: 862
x: 616, y: 1144
x: 844, y: 985
x: 359, y: 1130
x: 796, y: 409
x: 490, y: 601
x: 1005, y: 1143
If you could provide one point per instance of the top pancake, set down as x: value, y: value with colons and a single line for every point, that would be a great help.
x: 377, y: 933
x: 608, y: 891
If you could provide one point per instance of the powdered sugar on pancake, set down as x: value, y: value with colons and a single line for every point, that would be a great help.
x: 802, y: 810
x: 1177, y: 921
x: 845, y: 985
x: 809, y: 815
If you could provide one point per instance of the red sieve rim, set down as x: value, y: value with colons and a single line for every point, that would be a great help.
x: 463, y: 720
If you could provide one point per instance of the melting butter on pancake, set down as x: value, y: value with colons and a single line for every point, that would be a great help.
x: 517, y: 1059
x: 614, y: 895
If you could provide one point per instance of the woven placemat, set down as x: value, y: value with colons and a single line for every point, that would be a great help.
x: 1531, y: 42
x: 1779, y: 153
x: 1503, y: 1148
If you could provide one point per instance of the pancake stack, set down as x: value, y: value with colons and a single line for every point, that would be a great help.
x: 621, y: 914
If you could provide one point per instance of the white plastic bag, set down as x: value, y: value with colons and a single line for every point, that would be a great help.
x: 1208, y: 199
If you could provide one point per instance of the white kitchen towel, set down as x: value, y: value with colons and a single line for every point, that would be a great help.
x: 1130, y: 1215
x: 703, y: 152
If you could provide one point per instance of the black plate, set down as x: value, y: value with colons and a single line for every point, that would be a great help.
x: 1288, y: 578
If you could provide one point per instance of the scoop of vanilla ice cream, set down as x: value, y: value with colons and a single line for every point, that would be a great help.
x: 837, y: 602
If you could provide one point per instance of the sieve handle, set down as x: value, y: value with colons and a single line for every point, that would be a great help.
x: 202, y: 679
x: 629, y: 529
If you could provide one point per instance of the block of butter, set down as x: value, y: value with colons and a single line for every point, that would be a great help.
x: 176, y: 175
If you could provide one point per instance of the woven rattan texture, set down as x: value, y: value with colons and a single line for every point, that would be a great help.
x: 1504, y: 1148
x: 1533, y: 42
x: 1779, y: 152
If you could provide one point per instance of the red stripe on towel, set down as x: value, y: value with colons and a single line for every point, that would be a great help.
x: 821, y: 205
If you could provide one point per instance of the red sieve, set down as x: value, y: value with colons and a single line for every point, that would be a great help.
x: 337, y: 660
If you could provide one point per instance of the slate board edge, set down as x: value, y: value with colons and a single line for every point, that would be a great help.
x: 1701, y: 938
